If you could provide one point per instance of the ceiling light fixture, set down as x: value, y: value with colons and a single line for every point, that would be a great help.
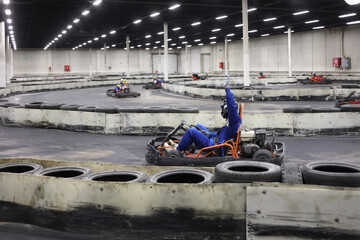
x: 352, y: 2
x: 184, y: 42
x: 269, y: 19
x: 89, y: 41
x: 252, y: 31
x: 137, y: 21
x: 11, y: 27
x: 86, y: 12
x: 7, y: 11
x: 181, y: 37
x: 139, y: 45
x: 160, y: 33
x: 155, y: 14
x: 265, y: 35
x: 300, y: 13
x: 113, y: 32
x: 157, y: 42
x: 76, y: 20
x: 173, y: 44
x: 312, y: 21
x: 238, y: 25
x: 176, y: 29
x: 147, y: 44
x: 291, y: 31
x: 347, y: 15
x: 179, y: 47
x: 212, y: 37
x: 174, y: 6
x: 103, y: 36
x: 64, y: 32
x: 9, y: 21
x: 148, y: 36
x: 197, y: 40
x: 69, y: 27
x: 231, y: 34
x: 195, y: 23
x: 6, y: 1
x: 252, y: 9
x: 278, y: 27
x: 319, y: 27
x: 200, y: 44
x: 97, y: 2
x: 95, y: 39
x: 221, y: 17
x: 169, y: 39
x: 216, y: 30
x: 352, y: 23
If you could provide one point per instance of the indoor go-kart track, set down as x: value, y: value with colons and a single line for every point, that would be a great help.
x: 129, y: 150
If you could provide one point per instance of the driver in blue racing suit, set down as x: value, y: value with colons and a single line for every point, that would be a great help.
x: 119, y: 87
x: 157, y: 81
x: 205, y: 138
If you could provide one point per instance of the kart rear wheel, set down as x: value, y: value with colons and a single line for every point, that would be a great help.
x: 263, y: 154
x: 174, y: 154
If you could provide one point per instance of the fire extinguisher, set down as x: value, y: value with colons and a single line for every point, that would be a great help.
x: 221, y: 65
x: 49, y: 69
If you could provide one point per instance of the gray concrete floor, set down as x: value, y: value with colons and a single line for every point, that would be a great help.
x: 97, y: 97
x: 130, y: 150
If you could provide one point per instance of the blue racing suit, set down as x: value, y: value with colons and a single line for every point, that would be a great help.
x: 119, y: 88
x: 228, y: 131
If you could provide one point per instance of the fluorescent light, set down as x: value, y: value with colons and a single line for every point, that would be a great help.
x: 238, y: 25
x: 9, y: 21
x: 6, y: 1
x: 212, y: 42
x: 86, y: 12
x: 52, y: 41
x: 173, y: 44
x: 139, y: 45
x: 147, y: 48
x: 170, y: 48
x: 252, y: 31
x: 265, y: 35
x: 229, y: 40
x: 189, y: 46
x: 302, y: 12
x: 181, y: 37
x: 176, y: 29
x: 252, y: 9
x: 155, y: 14
x: 137, y: 21
x: 80, y: 45
x: 347, y: 15
x: 103, y: 36
x: 95, y: 39
x: 174, y: 6
x: 291, y: 31
x: 64, y: 32
x: 125, y: 48
x: 59, y: 36
x: 221, y: 17
x: 55, y: 39
x: 212, y: 37
x: 148, y: 36
x: 195, y: 23
x: 155, y: 47
x: 76, y: 20
x: 157, y: 42
x: 113, y: 32
x: 11, y: 32
x: 147, y: 44
x: 216, y: 30
x: 132, y: 47
x: 169, y: 39
x: 352, y: 2
x: 69, y: 27
x: 97, y: 2
x: 312, y: 21
x: 231, y: 34
x: 200, y: 44
x: 7, y: 11
x: 89, y: 41
x: 10, y: 27
x: 197, y: 40
x: 84, y: 43
x: 184, y: 42
x: 114, y: 45
x: 354, y: 22
x: 108, y: 47
x: 319, y: 27
x: 269, y: 19
x: 178, y: 47
x: 278, y: 27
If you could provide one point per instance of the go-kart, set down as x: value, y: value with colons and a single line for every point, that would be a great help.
x: 152, y: 85
x: 350, y: 99
x: 196, y: 77
x: 248, y: 145
x: 317, y: 79
x: 126, y: 92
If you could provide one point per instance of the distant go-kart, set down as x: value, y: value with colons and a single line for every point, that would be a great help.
x: 317, y: 79
x: 350, y: 99
x: 126, y: 92
x: 152, y: 85
x: 248, y: 144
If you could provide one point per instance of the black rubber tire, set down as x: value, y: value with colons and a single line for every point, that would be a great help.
x: 107, y: 110
x: 3, y: 100
x: 184, y: 110
x: 6, y: 105
x: 263, y: 154
x: 247, y: 172
x: 349, y: 86
x: 21, y: 168
x: 331, y: 173
x: 52, y: 106
x: 34, y: 105
x: 350, y: 108
x: 118, y: 176
x: 192, y: 176
x: 87, y: 109
x: 156, y: 110
x: 306, y: 109
x: 130, y: 110
x: 72, y: 172
x: 70, y: 107
x: 324, y: 110
x: 174, y: 154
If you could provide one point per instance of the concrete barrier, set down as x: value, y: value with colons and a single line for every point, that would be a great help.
x: 259, y: 211
x: 289, y: 124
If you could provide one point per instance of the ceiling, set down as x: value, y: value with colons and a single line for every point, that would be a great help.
x: 37, y: 22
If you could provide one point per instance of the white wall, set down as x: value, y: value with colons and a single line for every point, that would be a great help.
x: 312, y: 51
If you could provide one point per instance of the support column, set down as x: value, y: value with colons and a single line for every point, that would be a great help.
x: 128, y: 56
x: 246, y: 42
x: 105, y: 63
x: 90, y: 67
x: 166, y: 51
x: 289, y: 51
x: 186, y: 60
x: 226, y: 56
x: 9, y: 62
x: 2, y: 56
x: 159, y: 61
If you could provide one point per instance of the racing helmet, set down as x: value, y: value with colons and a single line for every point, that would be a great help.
x: 224, y: 109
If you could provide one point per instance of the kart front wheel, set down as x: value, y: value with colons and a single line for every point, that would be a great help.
x: 174, y: 154
x: 263, y: 154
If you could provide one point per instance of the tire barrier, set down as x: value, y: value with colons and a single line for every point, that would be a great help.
x: 107, y: 109
x: 24, y: 168
x: 190, y: 176
x: 6, y: 105
x: 52, y: 106
x: 247, y: 172
x: 324, y: 110
x: 350, y: 108
x: 70, y: 107
x: 306, y: 109
x: 65, y: 172
x: 34, y: 105
x: 87, y: 109
x: 331, y: 174
x: 118, y: 176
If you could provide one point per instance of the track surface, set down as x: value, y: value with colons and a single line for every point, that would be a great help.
x: 97, y: 97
